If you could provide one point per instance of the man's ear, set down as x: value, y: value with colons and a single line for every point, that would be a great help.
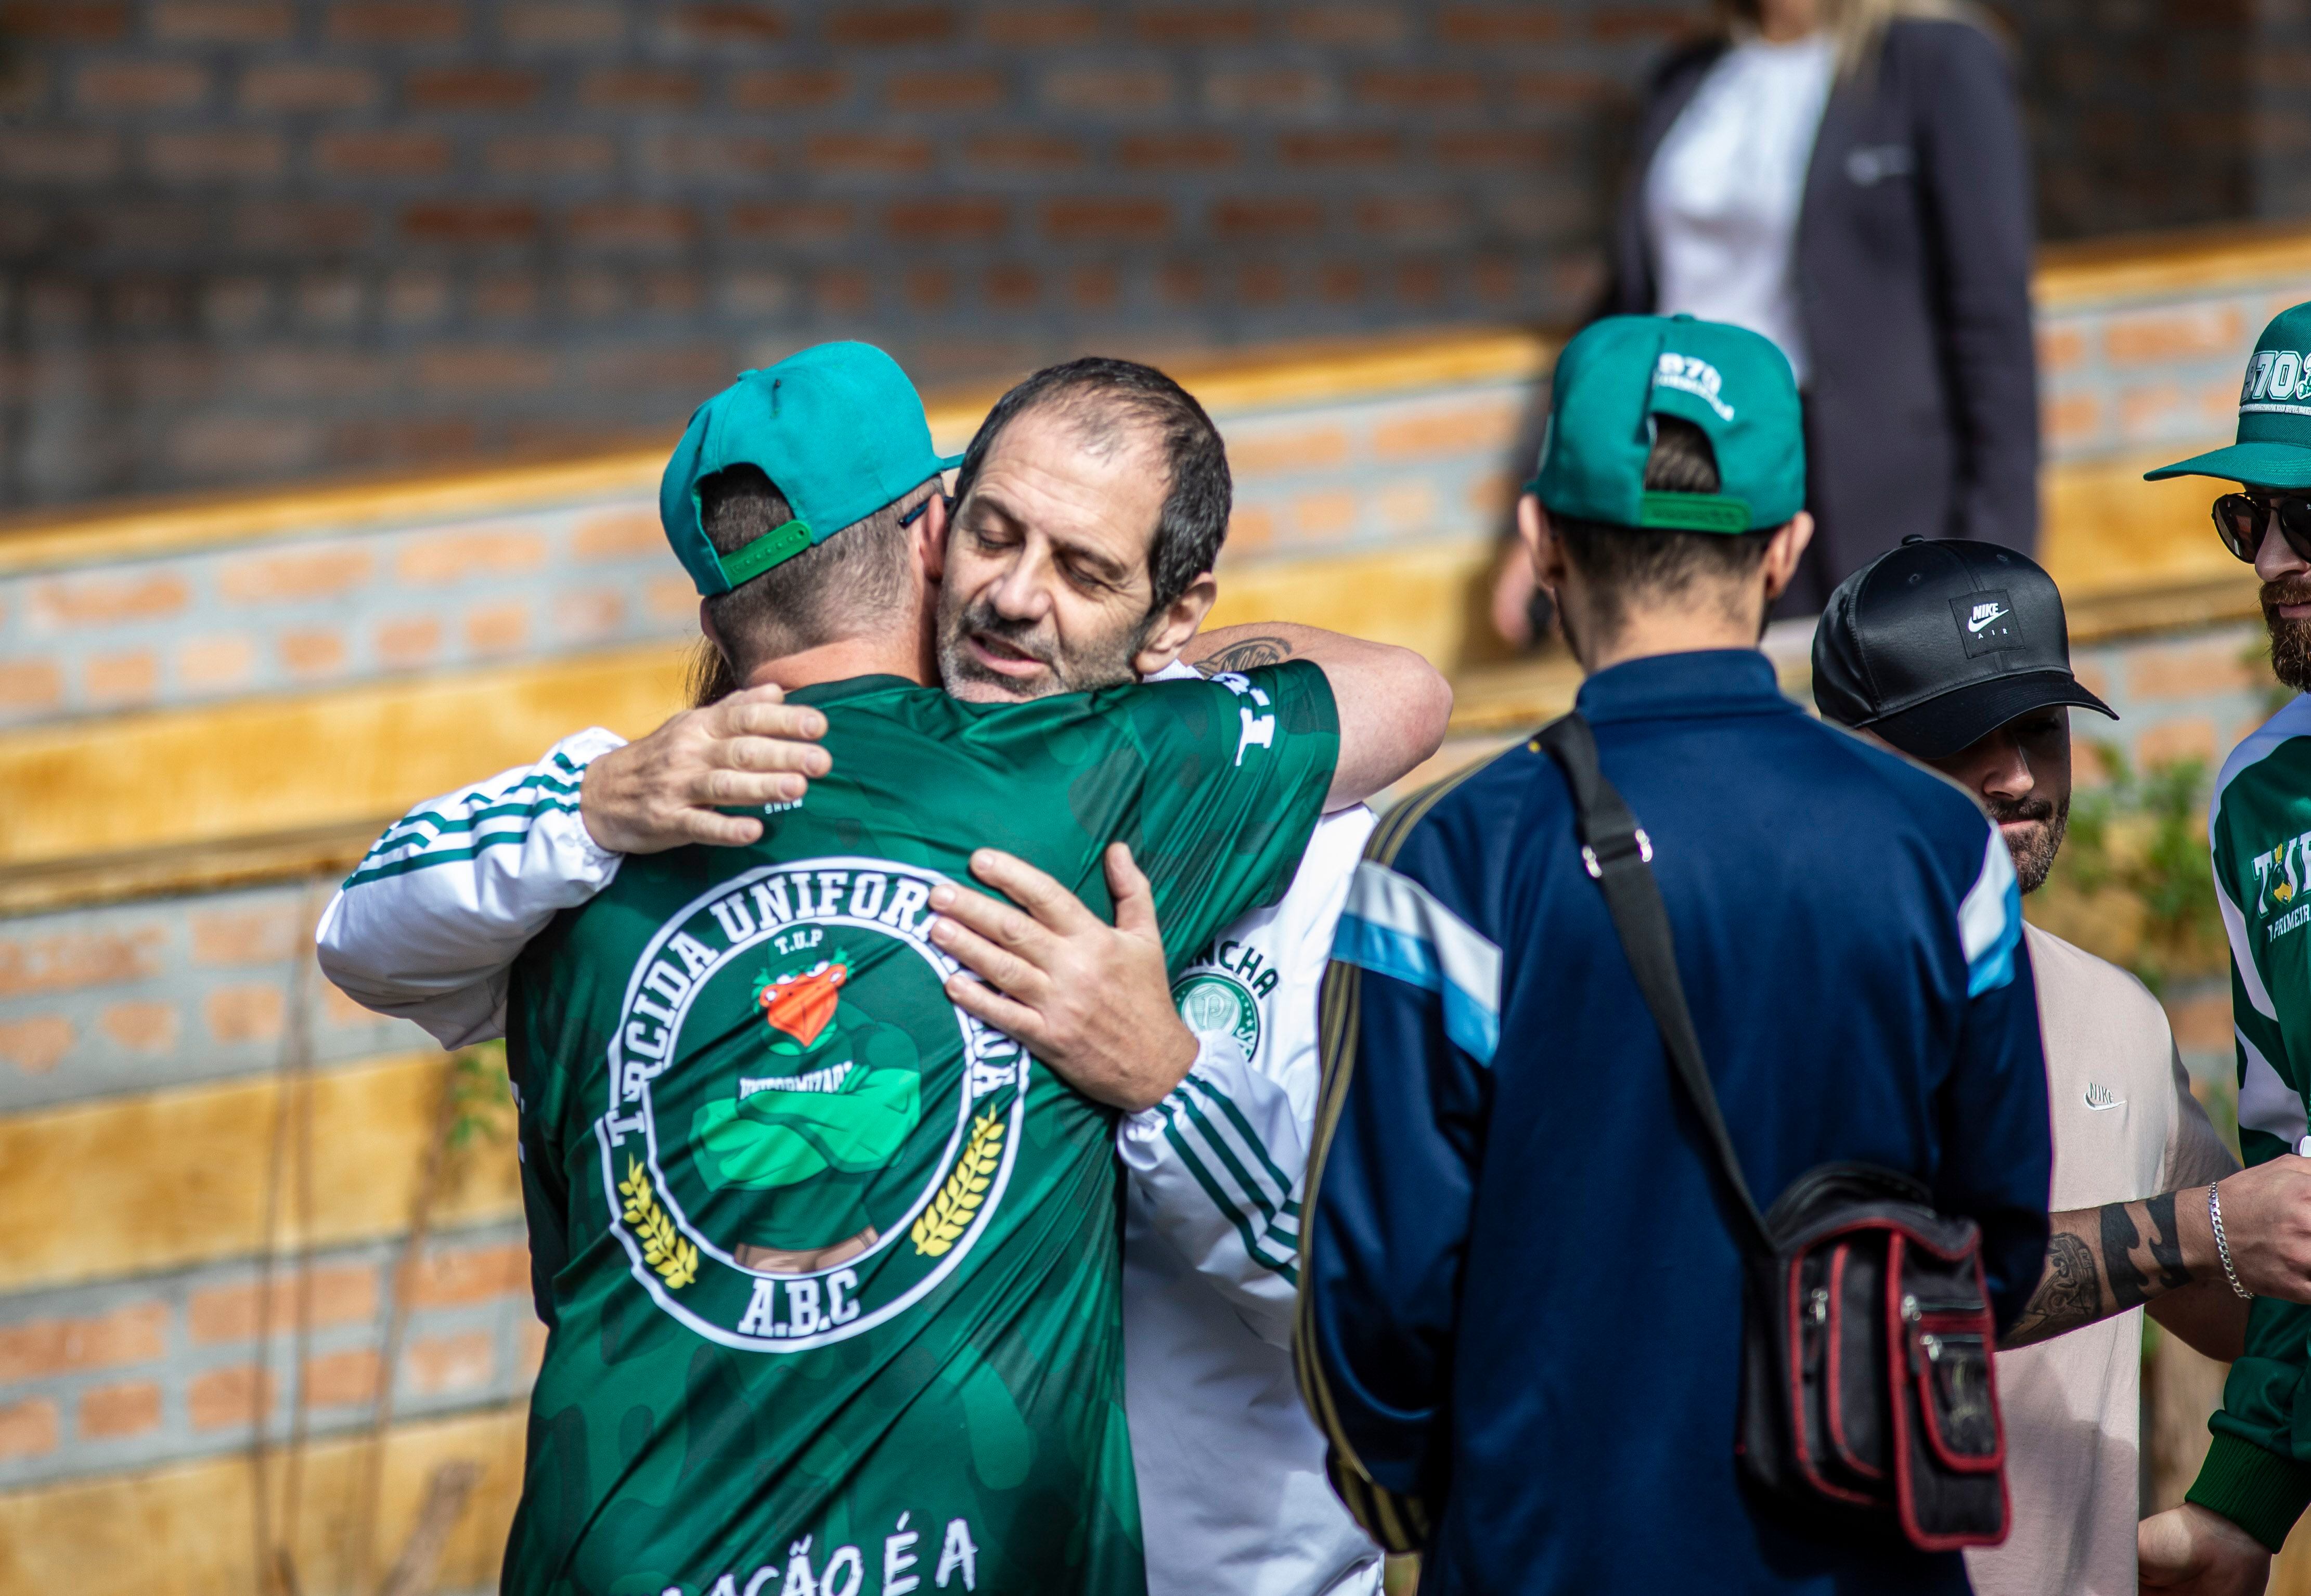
x: 1175, y: 626
x: 1783, y: 550
x: 1541, y: 544
x: 930, y: 537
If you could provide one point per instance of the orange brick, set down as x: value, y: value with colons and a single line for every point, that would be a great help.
x: 340, y: 1294
x: 238, y: 1395
x: 1491, y: 494
x: 244, y: 1014
x: 35, y: 1044
x: 2201, y: 1024
x: 110, y: 1412
x: 1409, y: 507
x: 100, y: 601
x: 312, y: 652
x: 123, y: 678
x: 2188, y: 672
x: 2181, y: 332
x: 474, y: 1275
x: 454, y: 556
x: 1324, y: 516
x: 300, y: 574
x: 497, y: 628
x: 670, y: 598
x: 2175, y: 740
x: 405, y: 643
x: 338, y: 1009
x: 41, y: 1347
x: 587, y: 615
x: 28, y: 1429
x: 452, y: 1363
x: 337, y: 1378
x: 215, y: 662
x: 246, y: 935
x: 30, y: 684
x: 2072, y: 420
x: 1313, y: 448
x: 618, y: 535
x: 2060, y: 348
x: 140, y: 1027
x: 66, y: 963
x: 1250, y: 531
x: 1458, y: 431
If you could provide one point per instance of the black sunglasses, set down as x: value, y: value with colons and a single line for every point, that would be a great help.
x: 2240, y: 518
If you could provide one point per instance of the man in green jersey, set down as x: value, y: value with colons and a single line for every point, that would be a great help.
x: 2257, y: 1477
x: 830, y: 1263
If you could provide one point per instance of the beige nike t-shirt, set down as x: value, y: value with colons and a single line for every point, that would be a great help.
x: 2126, y: 1126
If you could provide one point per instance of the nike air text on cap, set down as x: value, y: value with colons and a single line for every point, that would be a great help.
x: 1935, y: 644
x: 2274, y: 450
x: 1619, y: 374
x: 839, y: 431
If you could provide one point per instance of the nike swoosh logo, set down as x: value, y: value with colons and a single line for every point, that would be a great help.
x: 2114, y: 1103
x: 1976, y: 625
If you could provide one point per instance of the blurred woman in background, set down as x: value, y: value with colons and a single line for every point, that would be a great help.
x: 1850, y: 179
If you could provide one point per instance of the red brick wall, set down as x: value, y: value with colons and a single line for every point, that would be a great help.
x: 255, y: 238
x: 251, y: 239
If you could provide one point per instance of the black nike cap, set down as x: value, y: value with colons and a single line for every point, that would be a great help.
x: 1939, y: 642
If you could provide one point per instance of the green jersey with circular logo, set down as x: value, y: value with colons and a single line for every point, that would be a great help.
x: 830, y: 1268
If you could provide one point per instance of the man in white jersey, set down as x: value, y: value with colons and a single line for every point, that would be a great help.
x: 1232, y: 1482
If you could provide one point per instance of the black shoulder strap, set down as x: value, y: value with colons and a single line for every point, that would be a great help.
x: 1618, y: 855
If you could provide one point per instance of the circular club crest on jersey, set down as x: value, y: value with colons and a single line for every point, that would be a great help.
x: 804, y: 1137
x: 1217, y: 1005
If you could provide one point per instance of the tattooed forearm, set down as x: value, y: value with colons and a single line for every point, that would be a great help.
x: 2128, y: 1285
x: 1246, y: 654
x: 2101, y: 1261
x: 2069, y: 1293
x: 2167, y: 1242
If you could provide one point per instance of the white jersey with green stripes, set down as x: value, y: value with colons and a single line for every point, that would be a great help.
x: 1232, y: 1497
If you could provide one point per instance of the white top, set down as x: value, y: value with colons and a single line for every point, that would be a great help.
x: 1723, y: 195
x: 2125, y: 1127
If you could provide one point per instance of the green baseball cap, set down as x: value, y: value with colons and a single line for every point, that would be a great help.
x: 1619, y: 374
x: 2274, y: 450
x: 837, y: 427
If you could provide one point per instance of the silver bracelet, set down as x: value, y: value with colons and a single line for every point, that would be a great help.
x: 2222, y: 1243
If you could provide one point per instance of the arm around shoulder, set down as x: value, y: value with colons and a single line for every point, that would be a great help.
x: 1393, y: 706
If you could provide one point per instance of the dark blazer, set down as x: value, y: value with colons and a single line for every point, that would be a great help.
x: 1914, y: 287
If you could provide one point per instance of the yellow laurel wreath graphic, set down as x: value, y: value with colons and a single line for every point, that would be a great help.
x: 663, y: 1248
x: 939, y: 1225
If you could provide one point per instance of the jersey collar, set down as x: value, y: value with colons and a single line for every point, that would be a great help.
x: 1669, y: 686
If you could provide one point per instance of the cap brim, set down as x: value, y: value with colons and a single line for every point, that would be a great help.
x: 1943, y: 725
x: 947, y: 462
x: 2265, y: 465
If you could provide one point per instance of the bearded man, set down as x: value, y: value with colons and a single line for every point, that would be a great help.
x: 1956, y: 653
x: 2256, y: 1479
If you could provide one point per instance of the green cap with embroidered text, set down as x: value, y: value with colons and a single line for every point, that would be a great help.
x: 2273, y: 446
x: 1619, y: 374
x: 837, y: 428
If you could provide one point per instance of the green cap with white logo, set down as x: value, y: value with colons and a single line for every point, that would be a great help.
x: 2274, y: 450
x: 837, y: 428
x: 1621, y: 373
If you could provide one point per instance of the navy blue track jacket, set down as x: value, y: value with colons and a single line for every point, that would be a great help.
x: 1521, y: 1304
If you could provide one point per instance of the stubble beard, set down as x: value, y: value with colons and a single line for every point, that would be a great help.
x: 2290, y: 640
x: 1106, y: 663
x: 2034, y: 857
